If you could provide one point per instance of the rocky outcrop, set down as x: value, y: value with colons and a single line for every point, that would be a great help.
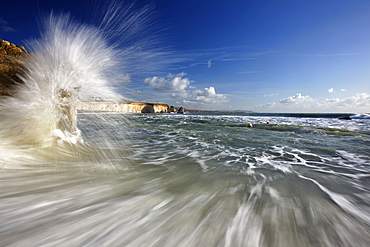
x: 7, y: 48
x: 345, y: 118
x: 123, y: 107
x: 172, y: 109
x: 181, y: 110
x: 148, y: 109
x: 11, y: 66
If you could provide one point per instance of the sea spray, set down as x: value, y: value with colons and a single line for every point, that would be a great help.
x: 70, y: 63
x: 74, y: 62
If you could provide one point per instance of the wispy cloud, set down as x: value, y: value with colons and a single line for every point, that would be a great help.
x: 270, y: 95
x: 237, y: 59
x: 331, y: 90
x: 5, y: 27
x: 248, y: 72
x: 200, y: 63
x: 222, y: 54
x: 331, y: 55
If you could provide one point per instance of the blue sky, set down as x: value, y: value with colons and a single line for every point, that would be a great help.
x: 264, y: 56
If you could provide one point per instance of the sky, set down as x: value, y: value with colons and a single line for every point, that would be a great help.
x: 262, y: 56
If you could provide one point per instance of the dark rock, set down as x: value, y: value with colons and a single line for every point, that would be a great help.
x: 148, y: 109
x: 345, y: 118
x: 10, y: 70
x: 181, y: 110
x: 172, y: 109
x: 3, y: 51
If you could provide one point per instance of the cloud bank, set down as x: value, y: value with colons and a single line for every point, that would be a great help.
x: 359, y: 103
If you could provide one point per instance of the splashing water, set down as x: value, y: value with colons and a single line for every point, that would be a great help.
x: 70, y: 63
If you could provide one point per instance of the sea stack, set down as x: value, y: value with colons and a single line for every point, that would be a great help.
x: 181, y: 110
x: 172, y: 109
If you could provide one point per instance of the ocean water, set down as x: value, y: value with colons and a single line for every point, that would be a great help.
x: 108, y: 179
x: 192, y: 180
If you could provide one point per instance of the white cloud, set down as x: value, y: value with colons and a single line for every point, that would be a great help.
x: 209, y: 64
x: 296, y: 99
x: 359, y: 103
x: 206, y: 96
x: 170, y: 83
x: 359, y: 100
x: 343, y: 90
x: 331, y: 90
x: 296, y: 103
x: 209, y: 95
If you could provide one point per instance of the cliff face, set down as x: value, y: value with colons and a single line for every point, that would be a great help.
x: 123, y: 107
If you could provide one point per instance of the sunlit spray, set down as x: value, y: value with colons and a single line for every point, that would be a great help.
x: 72, y: 62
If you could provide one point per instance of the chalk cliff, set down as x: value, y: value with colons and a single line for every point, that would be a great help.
x: 123, y: 107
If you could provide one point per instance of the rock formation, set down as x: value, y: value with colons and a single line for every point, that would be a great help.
x: 181, y: 110
x: 123, y: 107
x: 172, y: 109
x: 11, y: 66
x: 148, y: 109
x: 7, y: 48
